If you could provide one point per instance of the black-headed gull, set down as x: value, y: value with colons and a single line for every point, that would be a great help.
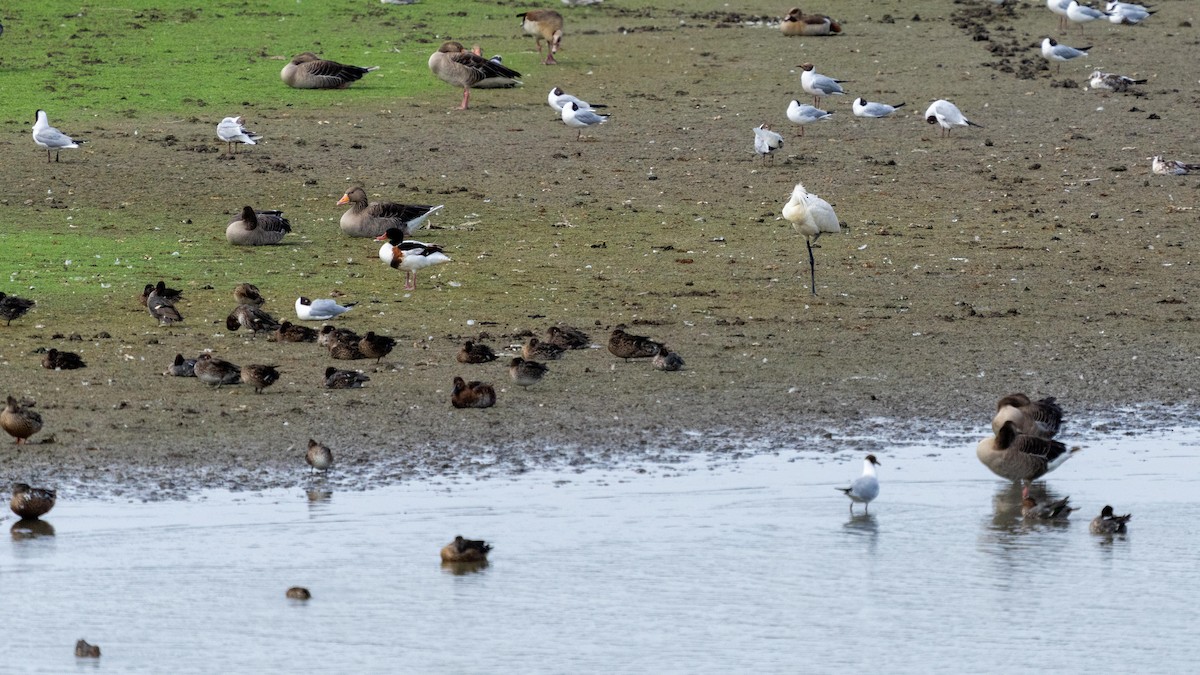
x: 231, y: 130
x: 864, y: 108
x: 320, y: 309
x: 947, y: 115
x: 581, y: 118
x: 1081, y: 14
x: 864, y: 488
x: 1108, y: 522
x: 812, y: 217
x: 805, y: 114
x: 50, y: 138
x: 1124, y: 13
x: 1052, y: 51
x: 1059, y: 7
x: 819, y: 85
x: 1171, y: 167
x: 408, y: 255
x: 1112, y: 81
x: 544, y: 24
x: 557, y: 98
x: 766, y: 141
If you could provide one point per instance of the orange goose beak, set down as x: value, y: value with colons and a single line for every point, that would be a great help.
x: 344, y: 200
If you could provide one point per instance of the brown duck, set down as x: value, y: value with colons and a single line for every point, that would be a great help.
x: 473, y: 352
x: 525, y: 373
x: 216, y: 372
x: 626, y: 346
x: 12, y: 307
x: 290, y: 332
x: 472, y: 394
x: 1109, y: 523
x: 344, y: 379
x: 162, y: 309
x: 536, y: 349
x: 372, y: 219
x: 30, y: 502
x: 19, y: 421
x: 257, y: 228
x: 319, y: 457
x: 248, y: 294
x: 259, y: 376
x: 309, y: 71
x: 181, y: 367
x: 171, y: 295
x: 375, y: 346
x: 667, y: 360
x: 84, y: 650
x: 251, y: 317
x: 56, y: 360
x: 465, y: 550
x: 567, y: 337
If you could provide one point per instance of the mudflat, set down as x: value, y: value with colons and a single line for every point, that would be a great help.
x: 1035, y: 254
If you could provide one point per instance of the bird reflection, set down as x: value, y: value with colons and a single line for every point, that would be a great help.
x: 862, y: 522
x: 31, y: 528
x: 459, y: 569
x: 318, y: 495
x: 1008, y: 511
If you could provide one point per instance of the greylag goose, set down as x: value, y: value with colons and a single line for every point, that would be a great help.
x: 371, y: 219
x: 257, y: 228
x: 465, y: 550
x: 544, y: 24
x: 309, y: 71
x: 1021, y: 457
x: 456, y: 66
x: 864, y: 488
x: 1043, y: 418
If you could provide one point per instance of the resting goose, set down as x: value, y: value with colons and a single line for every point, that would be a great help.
x: 309, y: 71
x: 257, y: 228
x: 371, y: 219
x: 454, y: 65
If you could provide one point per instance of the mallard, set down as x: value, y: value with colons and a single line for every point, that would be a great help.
x: 232, y: 130
x: 465, y: 550
x: 567, y: 337
x: 251, y: 317
x: 162, y: 309
x: 456, y: 66
x: 372, y: 219
x: 1057, y: 510
x: 473, y: 352
x: 344, y: 379
x: 56, y: 360
x: 472, y: 394
x: 216, y: 372
x: 181, y: 367
x: 319, y: 457
x: 1042, y: 419
x: 536, y: 349
x: 309, y: 71
x: 864, y: 488
x: 171, y: 295
x: 259, y: 376
x: 667, y: 360
x: 375, y: 346
x: 627, y: 346
x: 83, y: 650
x: 408, y: 255
x: 525, y: 373
x: 544, y: 24
x: 1021, y: 457
x: 30, y: 502
x: 298, y: 593
x: 12, y: 307
x: 257, y: 228
x: 248, y: 294
x: 290, y: 332
x: 19, y: 421
x: 1107, y: 523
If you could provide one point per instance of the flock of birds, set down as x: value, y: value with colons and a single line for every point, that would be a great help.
x: 1022, y: 448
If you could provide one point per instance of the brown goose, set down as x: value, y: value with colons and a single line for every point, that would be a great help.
x: 473, y: 352
x: 472, y: 394
x: 309, y: 71
x: 259, y: 376
x: 544, y: 24
x: 171, y: 295
x: 257, y: 228
x: 1109, y: 523
x: 181, y: 367
x: 30, y: 502
x: 371, y: 219
x: 465, y: 550
x: 1043, y: 418
x: 290, y: 332
x: 567, y: 337
x: 456, y: 66
x: 627, y: 346
x: 56, y: 360
x: 798, y: 23
x: 375, y: 346
x: 1021, y: 457
x: 525, y: 373
x: 252, y: 318
x: 162, y: 309
x: 344, y: 379
x: 19, y: 421
x: 248, y: 294
x: 319, y: 457
x: 12, y: 307
x: 216, y: 372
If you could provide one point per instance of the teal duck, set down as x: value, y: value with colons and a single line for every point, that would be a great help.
x: 298, y: 593
x: 536, y: 349
x: 290, y: 332
x: 375, y: 346
x: 56, y: 360
x: 259, y: 376
x: 248, y: 294
x: 181, y: 367
x: 162, y: 309
x: 1108, y: 523
x: 83, y: 650
x: 171, y: 295
x: 19, y: 421
x: 30, y: 502
x: 465, y: 550
x: 344, y: 379
x: 472, y: 394
x: 667, y: 360
x: 216, y: 372
x: 319, y: 457
x: 251, y: 317
x: 567, y: 337
x: 525, y: 373
x: 627, y: 346
x: 473, y: 352
x: 1056, y: 510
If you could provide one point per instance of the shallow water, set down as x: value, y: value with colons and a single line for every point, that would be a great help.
x: 703, y: 567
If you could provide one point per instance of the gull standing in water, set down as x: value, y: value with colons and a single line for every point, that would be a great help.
x: 803, y: 114
x: 947, y: 116
x: 865, y: 488
x: 812, y: 217
x: 50, y: 138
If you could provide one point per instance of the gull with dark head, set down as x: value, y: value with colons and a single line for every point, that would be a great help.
x: 48, y: 137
